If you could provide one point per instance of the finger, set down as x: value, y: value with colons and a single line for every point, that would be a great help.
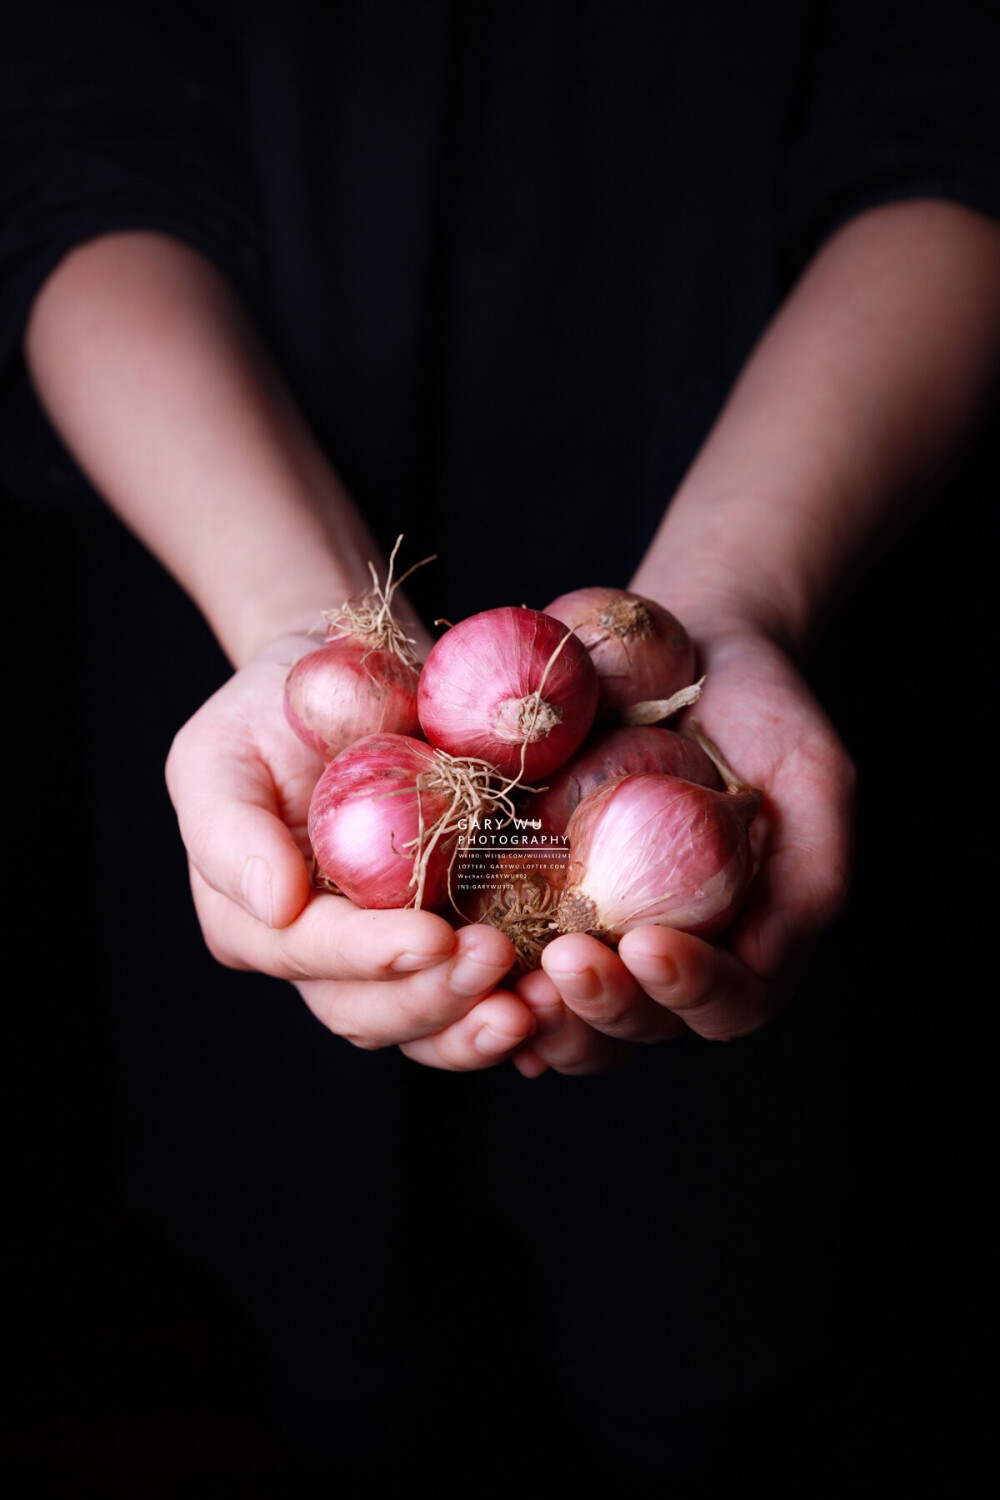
x: 329, y: 939
x: 600, y: 989
x: 230, y: 820
x: 489, y: 1034
x: 428, y: 1001
x: 708, y: 988
x: 388, y: 977
x: 528, y: 1064
x: 561, y: 1040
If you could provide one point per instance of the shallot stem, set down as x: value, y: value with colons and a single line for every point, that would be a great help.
x: 369, y: 616
x: 536, y: 708
x: 656, y: 709
x: 733, y: 782
x: 474, y: 789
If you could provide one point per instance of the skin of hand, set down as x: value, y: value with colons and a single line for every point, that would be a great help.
x: 134, y: 339
x: 591, y: 1004
x: 810, y: 463
x: 241, y: 782
x: 853, y: 400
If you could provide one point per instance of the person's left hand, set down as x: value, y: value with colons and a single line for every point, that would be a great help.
x: 592, y: 1005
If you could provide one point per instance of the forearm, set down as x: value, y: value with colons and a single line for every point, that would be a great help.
x: 155, y: 379
x: 856, y: 395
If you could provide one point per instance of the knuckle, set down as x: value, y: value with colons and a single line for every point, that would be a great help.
x: 424, y: 1005
x: 341, y: 1007
x: 364, y: 1042
x: 225, y: 955
x: 289, y: 961
x: 200, y: 832
x: 417, y: 1018
x: 215, y: 915
x: 176, y: 760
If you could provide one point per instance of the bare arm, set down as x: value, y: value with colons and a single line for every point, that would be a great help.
x: 154, y: 377
x: 863, y: 384
x: 854, y: 399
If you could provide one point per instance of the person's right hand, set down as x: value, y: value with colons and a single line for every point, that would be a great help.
x: 240, y: 782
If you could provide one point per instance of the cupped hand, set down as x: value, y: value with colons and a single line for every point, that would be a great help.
x: 240, y: 783
x: 592, y: 1005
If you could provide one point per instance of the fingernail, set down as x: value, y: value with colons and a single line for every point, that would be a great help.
x: 469, y: 977
x: 409, y: 963
x: 493, y: 1043
x: 580, y: 984
x: 653, y: 969
x: 255, y: 888
x: 529, y: 1064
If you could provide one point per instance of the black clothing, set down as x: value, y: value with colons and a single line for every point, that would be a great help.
x: 510, y: 258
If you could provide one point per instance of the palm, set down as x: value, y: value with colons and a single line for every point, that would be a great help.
x: 762, y: 715
x: 254, y: 711
x: 764, y: 719
x: 241, y: 781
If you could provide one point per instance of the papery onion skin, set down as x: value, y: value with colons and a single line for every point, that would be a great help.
x: 364, y: 812
x: 345, y: 690
x: 611, y: 753
x: 523, y: 874
x: 654, y: 850
x: 479, y: 684
x: 639, y: 650
x: 518, y: 897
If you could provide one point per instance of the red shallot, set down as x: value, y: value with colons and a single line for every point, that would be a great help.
x: 510, y: 686
x: 652, y: 849
x: 612, y: 753
x: 640, y: 651
x: 347, y: 689
x: 386, y: 815
x: 363, y: 680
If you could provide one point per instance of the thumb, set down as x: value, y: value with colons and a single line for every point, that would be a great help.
x: 228, y: 809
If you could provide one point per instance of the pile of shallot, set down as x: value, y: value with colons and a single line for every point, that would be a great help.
x: 540, y: 727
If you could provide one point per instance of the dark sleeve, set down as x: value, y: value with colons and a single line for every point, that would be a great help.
x: 900, y: 100
x: 114, y: 116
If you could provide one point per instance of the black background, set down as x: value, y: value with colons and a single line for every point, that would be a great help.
x: 822, y: 1187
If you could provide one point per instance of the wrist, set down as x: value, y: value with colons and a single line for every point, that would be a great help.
x: 721, y: 597
x: 252, y: 625
x: 285, y: 635
x: 159, y: 384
